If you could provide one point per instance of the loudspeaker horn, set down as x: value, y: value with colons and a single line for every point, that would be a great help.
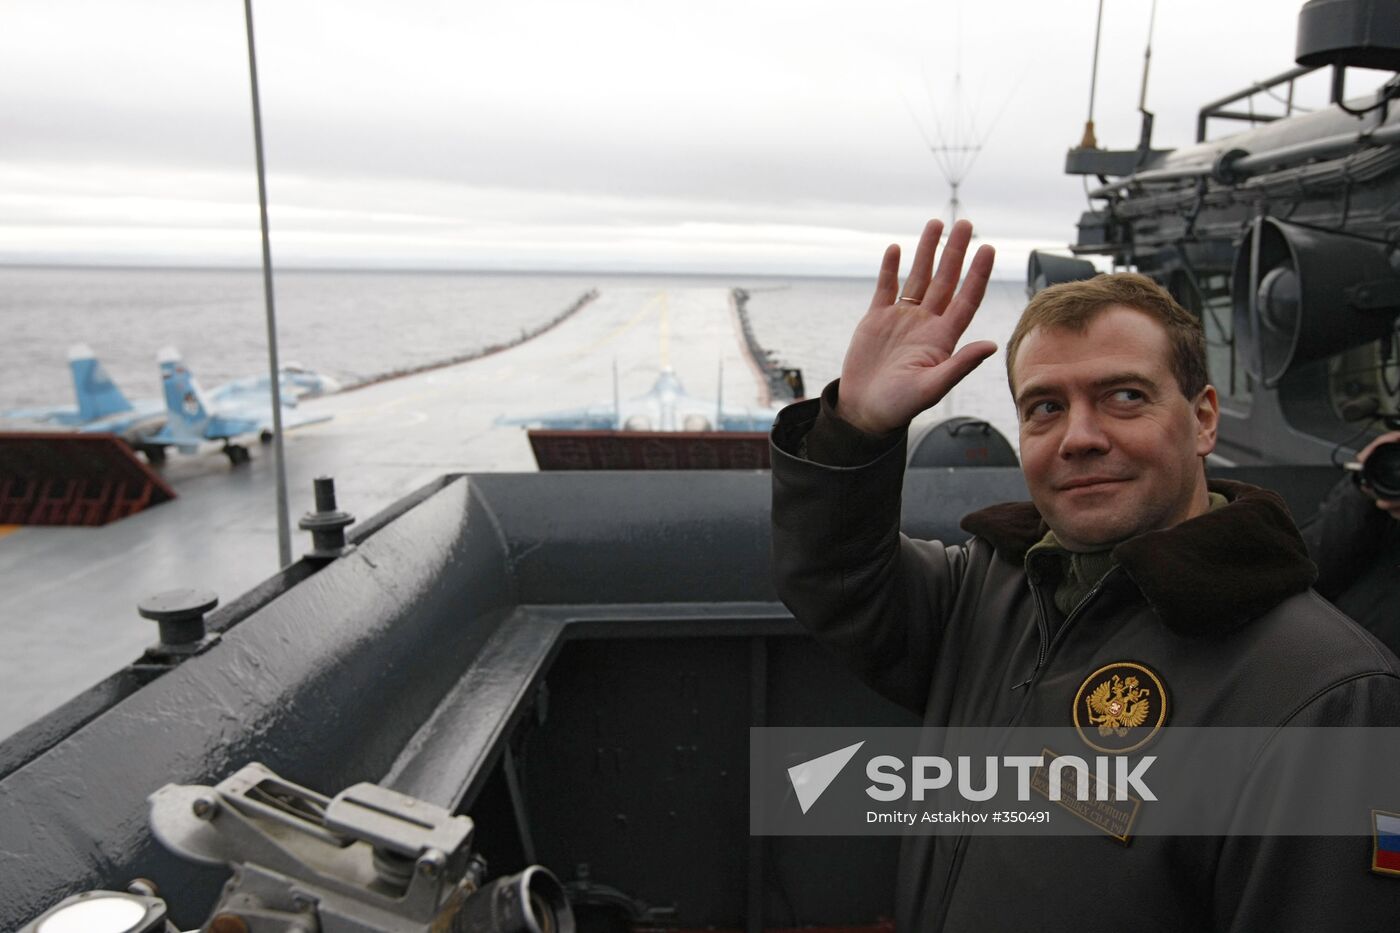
x: 1301, y: 294
x: 1046, y: 269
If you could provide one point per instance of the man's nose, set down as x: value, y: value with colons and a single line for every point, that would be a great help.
x: 1083, y: 433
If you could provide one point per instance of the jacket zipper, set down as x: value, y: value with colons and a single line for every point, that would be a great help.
x: 1043, y: 630
x: 1046, y: 643
x: 1043, y: 627
x: 1064, y: 626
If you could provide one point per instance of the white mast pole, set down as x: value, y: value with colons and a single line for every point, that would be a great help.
x: 284, y: 532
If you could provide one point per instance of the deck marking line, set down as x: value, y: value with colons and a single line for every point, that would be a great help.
x: 620, y: 329
x: 665, y: 332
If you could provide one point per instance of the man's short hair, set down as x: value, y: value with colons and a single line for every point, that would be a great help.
x: 1074, y: 304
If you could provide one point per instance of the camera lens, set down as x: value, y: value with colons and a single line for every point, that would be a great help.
x: 530, y: 902
x: 1382, y: 470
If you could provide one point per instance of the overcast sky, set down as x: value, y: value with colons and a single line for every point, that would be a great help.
x: 753, y: 136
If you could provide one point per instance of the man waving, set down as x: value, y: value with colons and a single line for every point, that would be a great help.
x: 1126, y: 562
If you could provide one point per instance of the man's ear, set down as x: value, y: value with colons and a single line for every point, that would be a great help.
x: 1206, y: 408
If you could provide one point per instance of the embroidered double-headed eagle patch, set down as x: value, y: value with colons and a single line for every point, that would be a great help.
x: 1120, y: 707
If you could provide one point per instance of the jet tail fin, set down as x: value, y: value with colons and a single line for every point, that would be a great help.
x: 98, y: 396
x: 185, y: 405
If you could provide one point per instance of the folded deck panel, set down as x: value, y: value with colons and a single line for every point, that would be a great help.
x: 650, y: 450
x: 51, y: 478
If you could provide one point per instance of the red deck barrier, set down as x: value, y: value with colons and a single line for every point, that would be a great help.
x: 650, y: 450
x: 73, y: 479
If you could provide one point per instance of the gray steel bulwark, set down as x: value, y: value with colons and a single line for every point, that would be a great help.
x: 324, y: 685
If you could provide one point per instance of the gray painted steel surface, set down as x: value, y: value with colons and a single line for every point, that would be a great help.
x: 641, y: 601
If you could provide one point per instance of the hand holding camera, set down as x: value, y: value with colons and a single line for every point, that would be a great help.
x: 1379, y: 467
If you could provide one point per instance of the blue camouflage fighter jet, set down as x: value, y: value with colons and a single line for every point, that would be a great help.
x: 666, y: 407
x: 102, y: 407
x: 192, y: 417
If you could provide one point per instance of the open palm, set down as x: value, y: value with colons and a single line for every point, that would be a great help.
x: 903, y: 357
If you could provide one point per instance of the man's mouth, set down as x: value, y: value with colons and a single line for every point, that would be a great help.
x: 1092, y: 482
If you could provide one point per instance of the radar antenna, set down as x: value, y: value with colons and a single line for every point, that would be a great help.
x: 957, y: 139
x: 957, y: 149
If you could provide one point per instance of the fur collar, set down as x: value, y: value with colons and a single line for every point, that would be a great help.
x: 1205, y: 576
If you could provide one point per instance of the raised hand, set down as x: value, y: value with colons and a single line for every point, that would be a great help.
x: 901, y: 360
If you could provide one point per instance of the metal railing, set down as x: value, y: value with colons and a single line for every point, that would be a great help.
x: 1217, y: 109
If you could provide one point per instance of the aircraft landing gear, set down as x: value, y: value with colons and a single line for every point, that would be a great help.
x: 236, y: 454
x: 265, y: 437
x: 155, y: 453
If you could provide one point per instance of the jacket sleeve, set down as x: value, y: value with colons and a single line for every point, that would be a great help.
x: 871, y: 595
x: 1343, y: 537
x: 1301, y: 884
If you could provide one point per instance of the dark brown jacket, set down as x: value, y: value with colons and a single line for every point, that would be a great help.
x: 1356, y: 547
x: 1219, y: 606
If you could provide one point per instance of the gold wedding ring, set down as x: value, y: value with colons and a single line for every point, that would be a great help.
x: 907, y: 298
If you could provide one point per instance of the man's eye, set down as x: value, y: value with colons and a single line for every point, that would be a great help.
x: 1128, y: 395
x: 1041, y: 409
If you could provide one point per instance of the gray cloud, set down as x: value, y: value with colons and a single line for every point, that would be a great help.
x: 460, y: 123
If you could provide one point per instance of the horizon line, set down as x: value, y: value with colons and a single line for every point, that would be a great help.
x: 430, y: 270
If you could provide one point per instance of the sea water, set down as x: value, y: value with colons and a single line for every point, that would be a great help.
x: 359, y: 326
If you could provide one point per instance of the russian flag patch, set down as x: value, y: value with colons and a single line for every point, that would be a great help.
x: 1385, y: 849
